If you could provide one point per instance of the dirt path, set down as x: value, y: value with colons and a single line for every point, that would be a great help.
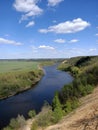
x: 83, y: 118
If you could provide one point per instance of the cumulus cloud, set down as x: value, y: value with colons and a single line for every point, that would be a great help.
x: 6, y: 41
x: 73, y: 41
x: 60, y: 40
x: 28, y: 7
x: 73, y: 26
x: 54, y: 2
x: 30, y: 24
x: 46, y: 47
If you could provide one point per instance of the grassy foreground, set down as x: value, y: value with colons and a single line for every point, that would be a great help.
x: 17, y: 76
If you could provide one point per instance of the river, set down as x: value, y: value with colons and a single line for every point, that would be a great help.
x: 52, y: 81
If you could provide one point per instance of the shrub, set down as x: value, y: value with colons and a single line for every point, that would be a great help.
x: 75, y: 71
x: 16, y: 123
x: 68, y: 106
x: 57, y: 109
x: 45, y: 117
x: 89, y: 88
x: 32, y: 113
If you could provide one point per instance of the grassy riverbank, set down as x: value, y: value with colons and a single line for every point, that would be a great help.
x: 17, y: 76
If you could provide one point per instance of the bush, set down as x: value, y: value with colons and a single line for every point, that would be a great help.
x: 75, y: 71
x: 32, y: 113
x: 66, y: 93
x: 57, y: 109
x: 70, y: 105
x: 45, y: 117
x: 89, y: 88
x: 57, y: 114
x: 16, y: 123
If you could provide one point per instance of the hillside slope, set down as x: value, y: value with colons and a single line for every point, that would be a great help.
x: 83, y: 118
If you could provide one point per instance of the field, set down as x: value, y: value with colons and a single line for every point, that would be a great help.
x: 9, y: 66
x: 17, y: 76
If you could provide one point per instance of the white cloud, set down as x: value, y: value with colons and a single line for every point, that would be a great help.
x: 43, y: 51
x: 46, y: 47
x: 43, y: 30
x: 54, y: 2
x: 96, y: 34
x: 28, y: 7
x: 67, y: 27
x: 92, y: 49
x: 73, y: 41
x: 6, y: 41
x: 30, y: 24
x: 60, y: 40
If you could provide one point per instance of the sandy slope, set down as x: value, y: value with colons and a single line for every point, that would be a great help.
x: 83, y: 118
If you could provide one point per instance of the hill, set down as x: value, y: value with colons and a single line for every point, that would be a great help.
x: 83, y: 118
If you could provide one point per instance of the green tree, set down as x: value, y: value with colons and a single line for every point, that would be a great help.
x: 57, y: 109
x: 68, y: 105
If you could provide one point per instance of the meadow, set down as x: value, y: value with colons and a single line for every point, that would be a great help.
x: 9, y: 66
x: 17, y: 76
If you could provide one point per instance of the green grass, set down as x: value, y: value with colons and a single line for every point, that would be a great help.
x: 9, y: 66
x: 17, y: 76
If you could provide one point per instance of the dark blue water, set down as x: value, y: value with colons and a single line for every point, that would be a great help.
x: 34, y: 98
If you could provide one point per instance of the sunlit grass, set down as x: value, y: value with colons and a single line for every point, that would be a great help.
x: 9, y: 66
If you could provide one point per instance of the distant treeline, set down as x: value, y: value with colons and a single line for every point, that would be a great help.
x: 38, y: 60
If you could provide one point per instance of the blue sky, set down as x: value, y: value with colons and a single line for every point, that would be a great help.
x: 48, y: 28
